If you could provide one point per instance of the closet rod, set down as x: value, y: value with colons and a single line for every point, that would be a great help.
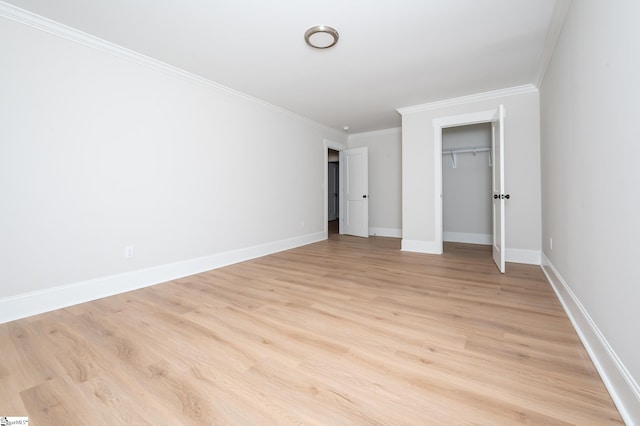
x: 455, y: 151
x: 465, y: 150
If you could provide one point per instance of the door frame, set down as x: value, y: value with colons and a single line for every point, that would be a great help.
x: 336, y: 146
x: 439, y: 124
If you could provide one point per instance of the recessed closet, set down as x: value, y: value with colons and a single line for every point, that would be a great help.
x: 466, y: 184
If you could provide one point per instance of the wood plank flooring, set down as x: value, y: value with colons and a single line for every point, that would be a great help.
x: 345, y: 331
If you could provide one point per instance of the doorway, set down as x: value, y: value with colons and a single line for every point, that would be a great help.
x: 466, y: 185
x: 353, y: 201
x: 496, y: 118
x: 331, y: 147
x: 333, y: 199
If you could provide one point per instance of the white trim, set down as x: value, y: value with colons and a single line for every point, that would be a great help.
x: 529, y: 257
x: 63, y: 31
x: 419, y: 246
x: 465, y: 119
x: 555, y: 28
x: 485, y: 96
x: 624, y: 390
x: 28, y: 304
x: 385, y: 232
x: 468, y: 238
x: 438, y: 221
x: 338, y: 146
x: 390, y: 131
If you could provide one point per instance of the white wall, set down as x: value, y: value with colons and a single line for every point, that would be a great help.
x: 522, y: 169
x: 100, y: 150
x: 466, y: 188
x: 590, y: 141
x: 385, y: 184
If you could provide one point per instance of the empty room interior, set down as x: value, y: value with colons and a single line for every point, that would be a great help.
x: 339, y: 212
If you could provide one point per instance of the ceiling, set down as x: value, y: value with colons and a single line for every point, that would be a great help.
x: 391, y: 54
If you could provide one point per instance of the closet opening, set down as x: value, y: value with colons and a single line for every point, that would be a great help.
x: 467, y: 211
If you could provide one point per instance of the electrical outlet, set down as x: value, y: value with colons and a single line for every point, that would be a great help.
x: 128, y: 252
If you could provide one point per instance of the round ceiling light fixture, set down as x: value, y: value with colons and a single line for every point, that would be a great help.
x: 321, y: 37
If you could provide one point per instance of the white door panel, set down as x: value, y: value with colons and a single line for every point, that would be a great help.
x: 354, y: 181
x: 497, y: 146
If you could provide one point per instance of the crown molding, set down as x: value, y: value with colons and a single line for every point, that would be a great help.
x: 55, y: 28
x: 390, y: 131
x: 485, y: 96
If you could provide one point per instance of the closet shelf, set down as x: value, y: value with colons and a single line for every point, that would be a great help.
x: 470, y: 149
x: 466, y: 150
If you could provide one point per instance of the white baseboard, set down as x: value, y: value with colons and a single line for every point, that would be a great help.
x: 469, y: 238
x: 28, y: 304
x: 624, y: 390
x: 385, y: 232
x: 420, y: 246
x: 530, y: 257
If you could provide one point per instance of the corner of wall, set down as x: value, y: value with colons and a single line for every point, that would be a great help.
x: 529, y: 257
x: 385, y: 232
x: 419, y: 246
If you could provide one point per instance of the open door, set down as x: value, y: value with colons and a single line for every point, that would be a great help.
x: 497, y: 149
x: 354, y: 182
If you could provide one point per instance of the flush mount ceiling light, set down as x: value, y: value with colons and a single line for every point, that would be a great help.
x: 321, y: 37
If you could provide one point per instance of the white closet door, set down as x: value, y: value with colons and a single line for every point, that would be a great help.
x: 497, y: 147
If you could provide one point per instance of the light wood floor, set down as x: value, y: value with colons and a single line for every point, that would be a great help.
x: 345, y: 331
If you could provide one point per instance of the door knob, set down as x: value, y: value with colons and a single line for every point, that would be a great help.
x: 507, y: 196
x: 364, y: 196
x: 495, y: 196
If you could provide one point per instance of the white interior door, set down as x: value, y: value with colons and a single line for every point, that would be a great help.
x: 354, y: 182
x: 497, y: 148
